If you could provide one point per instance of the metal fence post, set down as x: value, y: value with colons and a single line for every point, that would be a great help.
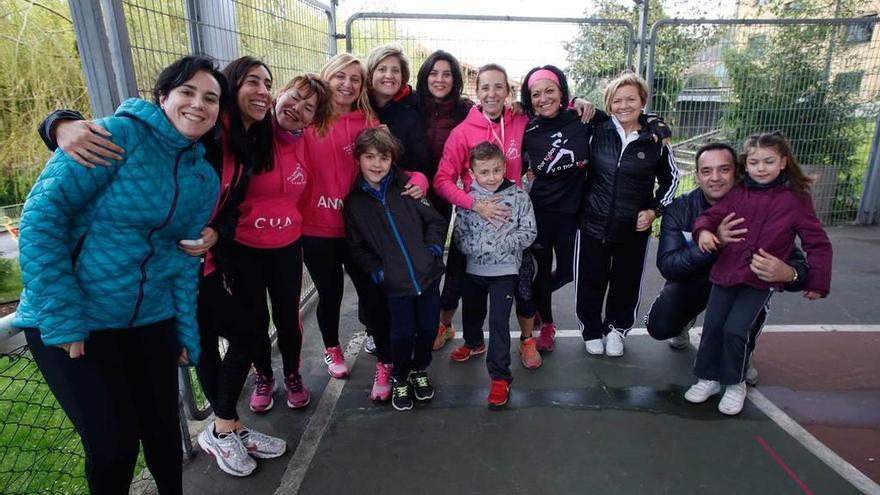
x: 869, y: 206
x: 105, y: 53
x: 643, y: 33
x: 212, y: 29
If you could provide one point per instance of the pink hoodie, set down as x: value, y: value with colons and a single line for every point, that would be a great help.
x: 475, y: 129
x: 270, y: 213
x: 334, y: 169
x: 227, y: 175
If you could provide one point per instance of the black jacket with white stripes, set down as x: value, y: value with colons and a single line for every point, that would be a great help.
x: 620, y: 182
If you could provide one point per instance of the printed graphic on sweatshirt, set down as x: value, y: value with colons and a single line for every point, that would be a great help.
x: 273, y: 222
x: 559, y: 158
x: 330, y: 203
x: 297, y: 177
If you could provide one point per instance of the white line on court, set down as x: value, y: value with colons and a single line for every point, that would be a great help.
x: 299, y: 463
x: 767, y: 328
x: 301, y: 460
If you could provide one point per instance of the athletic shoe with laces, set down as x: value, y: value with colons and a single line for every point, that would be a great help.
x: 464, y: 352
x: 499, y: 393
x: 734, y: 399
x: 335, y: 362
x: 682, y: 340
x: 444, y: 333
x: 614, y: 343
x: 297, y: 393
x: 702, y: 390
x: 421, y: 384
x: 229, y: 451
x: 261, y: 446
x: 369, y: 344
x: 261, y: 397
x: 752, y: 375
x: 529, y: 355
x: 401, y: 395
x: 596, y: 347
x: 546, y: 340
x: 381, y: 383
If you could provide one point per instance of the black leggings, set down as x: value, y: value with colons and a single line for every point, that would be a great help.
x: 614, y: 268
x: 278, y: 271
x: 325, y: 258
x: 556, y: 233
x: 121, y: 394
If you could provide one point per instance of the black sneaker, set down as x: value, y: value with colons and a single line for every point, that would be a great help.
x: 401, y: 395
x: 422, y: 388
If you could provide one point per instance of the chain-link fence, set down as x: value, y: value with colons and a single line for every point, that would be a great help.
x: 516, y: 43
x: 817, y: 81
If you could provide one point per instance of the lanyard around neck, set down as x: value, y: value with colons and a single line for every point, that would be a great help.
x: 492, y: 129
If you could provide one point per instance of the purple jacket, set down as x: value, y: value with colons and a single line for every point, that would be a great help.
x: 773, y: 216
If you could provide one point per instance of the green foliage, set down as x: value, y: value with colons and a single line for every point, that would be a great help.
x: 10, y: 280
x: 39, y: 71
x: 783, y: 80
x: 598, y: 53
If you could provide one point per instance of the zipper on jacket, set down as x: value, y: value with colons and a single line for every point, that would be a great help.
x: 613, y: 191
x: 152, y: 250
x: 409, y: 267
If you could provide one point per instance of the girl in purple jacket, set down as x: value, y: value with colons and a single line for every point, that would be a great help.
x: 774, y: 199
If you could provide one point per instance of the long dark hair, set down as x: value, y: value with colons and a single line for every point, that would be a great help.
x: 525, y: 95
x: 251, y: 147
x: 798, y: 181
x: 422, y: 89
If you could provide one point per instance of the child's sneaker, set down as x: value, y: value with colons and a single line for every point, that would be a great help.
x: 733, y: 400
x: 261, y: 446
x: 499, y: 392
x: 752, y: 375
x: 261, y: 397
x: 546, y: 340
x: 229, y: 451
x: 464, y: 352
x: 529, y: 355
x: 401, y: 395
x: 381, y: 383
x: 297, y: 393
x: 702, y: 390
x: 444, y: 333
x: 614, y: 343
x: 335, y: 362
x: 421, y: 384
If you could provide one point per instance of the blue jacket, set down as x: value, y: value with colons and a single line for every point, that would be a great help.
x: 98, y: 247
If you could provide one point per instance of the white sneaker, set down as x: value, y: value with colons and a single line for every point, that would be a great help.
x: 261, y: 446
x: 733, y: 399
x: 702, y: 390
x: 228, y: 450
x: 595, y: 347
x: 752, y: 375
x: 683, y: 340
x: 614, y: 343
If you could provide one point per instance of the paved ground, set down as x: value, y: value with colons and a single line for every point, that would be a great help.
x: 600, y: 425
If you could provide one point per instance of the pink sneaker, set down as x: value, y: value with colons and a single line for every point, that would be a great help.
x: 335, y: 362
x: 297, y: 393
x: 547, y: 339
x: 261, y: 397
x: 381, y: 383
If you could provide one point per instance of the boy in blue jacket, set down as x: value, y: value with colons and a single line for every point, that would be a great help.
x: 398, y: 240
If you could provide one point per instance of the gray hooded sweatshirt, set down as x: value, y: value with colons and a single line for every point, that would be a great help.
x: 494, y: 249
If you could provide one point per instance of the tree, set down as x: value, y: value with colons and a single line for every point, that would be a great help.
x: 599, y: 53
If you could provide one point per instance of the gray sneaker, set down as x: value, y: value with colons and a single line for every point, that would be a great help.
x: 752, y: 375
x: 261, y: 446
x: 369, y: 345
x: 227, y: 449
x: 682, y: 340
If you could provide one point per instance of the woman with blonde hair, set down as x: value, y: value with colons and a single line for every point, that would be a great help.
x: 333, y: 172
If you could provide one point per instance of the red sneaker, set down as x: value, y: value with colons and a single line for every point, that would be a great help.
x: 499, y: 392
x: 464, y: 352
x: 547, y: 339
x: 444, y: 333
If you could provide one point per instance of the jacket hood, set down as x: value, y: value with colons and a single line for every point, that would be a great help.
x: 153, y: 117
x: 477, y: 120
x: 483, y: 192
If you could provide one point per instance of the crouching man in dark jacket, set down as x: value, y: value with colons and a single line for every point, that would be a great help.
x: 398, y: 240
x: 686, y: 268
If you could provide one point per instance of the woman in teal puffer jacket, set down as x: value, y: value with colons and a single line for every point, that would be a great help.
x: 109, y: 300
